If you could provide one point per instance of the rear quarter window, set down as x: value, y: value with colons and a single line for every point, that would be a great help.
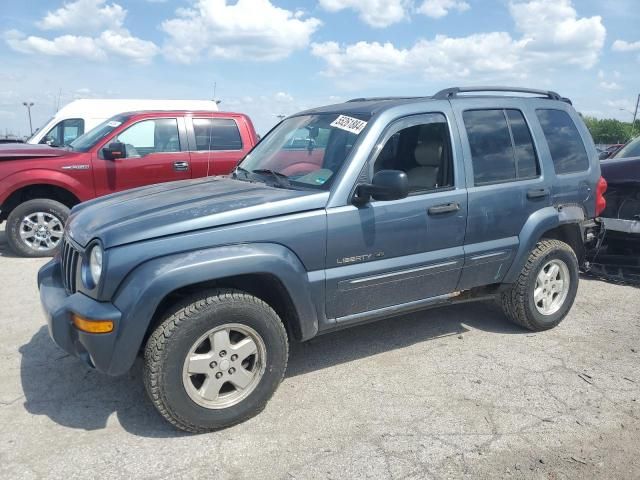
x: 564, y: 140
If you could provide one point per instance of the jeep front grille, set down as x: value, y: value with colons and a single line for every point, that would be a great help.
x: 70, y: 257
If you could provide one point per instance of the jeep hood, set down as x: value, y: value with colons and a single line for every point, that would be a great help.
x: 177, y: 207
x: 18, y: 151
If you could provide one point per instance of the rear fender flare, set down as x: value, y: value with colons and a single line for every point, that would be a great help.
x: 534, y: 228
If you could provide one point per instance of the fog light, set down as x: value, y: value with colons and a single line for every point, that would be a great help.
x: 92, y: 326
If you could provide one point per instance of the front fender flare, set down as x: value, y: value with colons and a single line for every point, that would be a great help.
x: 144, y: 288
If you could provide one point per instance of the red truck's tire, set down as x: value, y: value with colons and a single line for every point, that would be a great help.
x: 43, y: 220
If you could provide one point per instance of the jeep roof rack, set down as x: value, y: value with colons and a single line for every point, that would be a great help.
x: 381, y: 99
x: 453, y: 92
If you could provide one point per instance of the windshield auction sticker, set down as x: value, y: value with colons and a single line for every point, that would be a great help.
x: 349, y: 124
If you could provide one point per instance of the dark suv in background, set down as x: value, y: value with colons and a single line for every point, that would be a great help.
x: 341, y: 215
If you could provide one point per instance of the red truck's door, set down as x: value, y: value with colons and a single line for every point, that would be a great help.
x: 218, y: 143
x: 156, y: 152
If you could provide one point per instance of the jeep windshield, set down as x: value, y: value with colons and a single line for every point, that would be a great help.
x: 305, y: 151
x: 86, y: 142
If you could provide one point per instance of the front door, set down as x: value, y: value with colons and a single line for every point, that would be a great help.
x: 156, y: 152
x: 388, y: 253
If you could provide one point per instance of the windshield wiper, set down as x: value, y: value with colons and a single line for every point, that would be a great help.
x: 281, y: 179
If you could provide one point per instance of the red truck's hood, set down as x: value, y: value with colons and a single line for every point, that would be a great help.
x: 17, y: 151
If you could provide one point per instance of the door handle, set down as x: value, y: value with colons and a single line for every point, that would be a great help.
x: 180, y: 166
x: 537, y: 192
x: 444, y: 208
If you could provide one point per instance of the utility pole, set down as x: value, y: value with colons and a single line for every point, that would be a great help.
x: 29, y: 105
x: 635, y: 116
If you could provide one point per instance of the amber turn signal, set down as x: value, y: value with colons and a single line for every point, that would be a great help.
x: 91, y: 326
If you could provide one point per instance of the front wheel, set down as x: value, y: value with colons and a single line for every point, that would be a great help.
x: 35, y: 227
x: 545, y: 289
x: 215, y: 360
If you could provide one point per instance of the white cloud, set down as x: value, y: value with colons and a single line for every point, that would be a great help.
x: 441, y: 8
x: 254, y: 29
x: 610, y: 85
x: 84, y: 16
x: 382, y: 13
x: 119, y: 43
x: 552, y: 36
x: 64, y: 45
x: 377, y: 13
x: 552, y: 27
x: 122, y: 43
x: 624, y: 46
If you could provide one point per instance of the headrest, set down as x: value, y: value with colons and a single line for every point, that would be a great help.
x: 428, y: 154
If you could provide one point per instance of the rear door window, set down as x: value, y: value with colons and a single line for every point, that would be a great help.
x: 217, y: 134
x: 565, y: 144
x: 501, y: 146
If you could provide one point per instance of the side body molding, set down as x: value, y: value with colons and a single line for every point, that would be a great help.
x: 145, y: 287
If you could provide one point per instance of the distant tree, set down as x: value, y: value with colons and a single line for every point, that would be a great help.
x: 609, y: 130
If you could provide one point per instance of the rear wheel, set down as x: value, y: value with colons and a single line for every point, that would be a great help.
x: 215, y: 360
x: 546, y: 287
x: 35, y: 228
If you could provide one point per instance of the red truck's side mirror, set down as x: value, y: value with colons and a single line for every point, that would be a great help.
x: 114, y: 151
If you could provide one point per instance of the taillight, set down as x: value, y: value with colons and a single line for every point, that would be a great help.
x: 601, y: 203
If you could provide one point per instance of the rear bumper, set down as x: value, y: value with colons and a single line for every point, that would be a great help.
x: 94, y: 349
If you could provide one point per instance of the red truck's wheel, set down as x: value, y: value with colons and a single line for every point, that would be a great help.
x: 35, y: 228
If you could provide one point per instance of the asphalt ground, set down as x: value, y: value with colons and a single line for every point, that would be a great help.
x: 447, y: 393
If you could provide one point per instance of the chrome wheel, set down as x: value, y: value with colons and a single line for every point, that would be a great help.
x: 41, y: 231
x: 224, y: 366
x: 552, y: 287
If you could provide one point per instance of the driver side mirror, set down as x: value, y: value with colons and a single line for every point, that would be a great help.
x: 114, y: 151
x: 386, y: 185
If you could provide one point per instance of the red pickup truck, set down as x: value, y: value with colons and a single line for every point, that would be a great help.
x: 40, y: 184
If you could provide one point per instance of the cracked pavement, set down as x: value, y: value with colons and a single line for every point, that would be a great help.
x: 447, y: 393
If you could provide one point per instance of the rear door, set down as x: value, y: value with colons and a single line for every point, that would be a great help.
x: 388, y: 253
x: 506, y: 185
x: 217, y: 144
x: 155, y: 153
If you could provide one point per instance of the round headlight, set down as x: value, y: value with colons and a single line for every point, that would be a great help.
x: 95, y: 264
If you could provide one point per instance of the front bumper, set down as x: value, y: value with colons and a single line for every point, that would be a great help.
x: 94, y: 349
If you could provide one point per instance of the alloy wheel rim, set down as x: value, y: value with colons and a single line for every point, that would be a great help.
x: 224, y: 366
x: 552, y: 287
x: 41, y: 231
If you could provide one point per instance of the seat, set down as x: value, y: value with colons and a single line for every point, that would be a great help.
x: 428, y: 156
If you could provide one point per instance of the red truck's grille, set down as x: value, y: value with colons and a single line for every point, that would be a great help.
x: 70, y: 257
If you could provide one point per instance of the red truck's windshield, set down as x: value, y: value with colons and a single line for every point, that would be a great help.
x: 86, y: 142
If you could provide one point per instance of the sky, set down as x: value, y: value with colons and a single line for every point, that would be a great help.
x: 272, y: 57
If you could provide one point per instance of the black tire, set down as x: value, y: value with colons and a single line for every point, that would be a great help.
x: 14, y: 225
x: 518, y: 302
x: 169, y: 344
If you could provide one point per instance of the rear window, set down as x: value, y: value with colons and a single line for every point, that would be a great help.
x: 217, y: 134
x: 565, y: 144
x: 501, y: 146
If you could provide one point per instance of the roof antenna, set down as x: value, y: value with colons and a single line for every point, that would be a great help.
x: 217, y: 100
